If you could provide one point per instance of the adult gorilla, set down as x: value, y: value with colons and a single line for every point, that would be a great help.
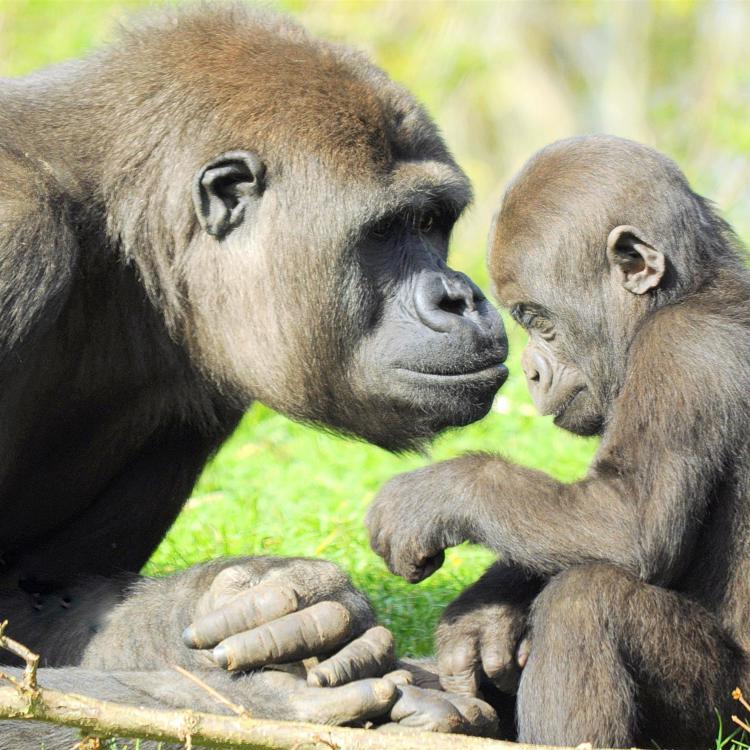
x: 217, y: 209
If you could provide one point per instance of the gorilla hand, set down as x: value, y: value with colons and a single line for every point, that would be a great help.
x: 262, y: 611
x: 413, y: 519
x: 391, y: 703
x: 481, y: 635
x: 421, y: 704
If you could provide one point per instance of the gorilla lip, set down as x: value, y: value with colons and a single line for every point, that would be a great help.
x: 565, y: 405
x: 497, y: 371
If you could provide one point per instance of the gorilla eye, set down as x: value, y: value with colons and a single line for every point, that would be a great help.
x: 426, y: 223
x: 534, y: 320
x: 383, y: 228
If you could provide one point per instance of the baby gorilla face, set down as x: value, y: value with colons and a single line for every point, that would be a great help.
x: 556, y: 384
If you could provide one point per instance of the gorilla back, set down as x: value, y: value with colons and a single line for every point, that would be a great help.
x: 216, y: 209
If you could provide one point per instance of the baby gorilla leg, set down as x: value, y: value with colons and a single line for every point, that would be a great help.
x: 617, y: 662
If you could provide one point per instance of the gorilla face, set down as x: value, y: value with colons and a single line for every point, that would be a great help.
x: 335, y: 304
x: 433, y: 356
x: 308, y: 268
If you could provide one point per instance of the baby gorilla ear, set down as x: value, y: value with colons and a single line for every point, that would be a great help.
x: 639, y: 265
x: 224, y: 188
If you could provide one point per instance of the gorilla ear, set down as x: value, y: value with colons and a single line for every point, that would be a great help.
x: 224, y: 188
x: 639, y: 265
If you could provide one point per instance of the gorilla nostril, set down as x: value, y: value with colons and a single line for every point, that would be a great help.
x: 454, y: 306
x: 447, y: 301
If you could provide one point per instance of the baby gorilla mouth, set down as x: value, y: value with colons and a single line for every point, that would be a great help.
x: 568, y: 402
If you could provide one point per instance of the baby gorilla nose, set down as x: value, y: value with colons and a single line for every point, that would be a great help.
x: 537, y: 370
x: 449, y: 301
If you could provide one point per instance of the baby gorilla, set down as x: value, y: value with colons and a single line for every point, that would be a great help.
x: 631, y: 585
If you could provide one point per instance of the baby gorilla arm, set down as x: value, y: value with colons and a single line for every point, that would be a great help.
x: 640, y: 507
x: 507, y: 508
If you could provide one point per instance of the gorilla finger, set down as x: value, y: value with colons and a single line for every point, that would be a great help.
x: 459, y: 670
x: 400, y: 677
x: 232, y: 580
x: 415, y: 569
x: 498, y: 663
x: 424, y: 672
x: 308, y: 632
x: 355, y: 702
x: 429, y: 565
x: 429, y: 710
x: 370, y: 655
x: 480, y: 718
x: 380, y: 544
x: 263, y: 603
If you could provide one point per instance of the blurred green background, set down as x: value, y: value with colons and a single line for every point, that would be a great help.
x: 501, y: 79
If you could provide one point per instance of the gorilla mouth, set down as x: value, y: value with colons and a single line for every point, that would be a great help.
x: 496, y: 372
x: 565, y: 405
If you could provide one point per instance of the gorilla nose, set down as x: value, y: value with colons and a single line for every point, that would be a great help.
x: 446, y: 302
x: 536, y: 369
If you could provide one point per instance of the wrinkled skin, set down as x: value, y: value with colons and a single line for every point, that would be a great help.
x: 481, y: 636
x: 292, y: 617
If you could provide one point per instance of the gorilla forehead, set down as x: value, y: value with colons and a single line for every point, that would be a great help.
x: 557, y: 212
x: 262, y: 76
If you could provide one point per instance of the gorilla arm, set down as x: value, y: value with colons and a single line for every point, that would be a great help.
x: 640, y: 506
x: 271, y: 695
x: 136, y: 641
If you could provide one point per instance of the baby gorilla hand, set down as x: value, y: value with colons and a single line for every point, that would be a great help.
x: 391, y: 703
x: 412, y: 520
x: 481, y: 645
x: 481, y: 635
x: 263, y: 611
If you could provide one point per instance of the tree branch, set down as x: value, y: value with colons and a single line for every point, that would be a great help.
x: 26, y: 700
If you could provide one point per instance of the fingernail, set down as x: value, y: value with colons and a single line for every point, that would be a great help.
x: 188, y: 636
x: 221, y: 657
x: 383, y: 690
x: 315, y: 679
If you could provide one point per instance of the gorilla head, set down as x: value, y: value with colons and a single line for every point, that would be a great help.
x: 302, y: 216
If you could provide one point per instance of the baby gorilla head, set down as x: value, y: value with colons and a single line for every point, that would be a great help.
x: 581, y: 290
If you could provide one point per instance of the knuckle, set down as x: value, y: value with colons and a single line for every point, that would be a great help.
x: 494, y: 667
x: 224, y: 579
x: 360, y: 611
x: 458, y: 660
x: 232, y: 579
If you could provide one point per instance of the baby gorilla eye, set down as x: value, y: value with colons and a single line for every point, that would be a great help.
x: 534, y: 321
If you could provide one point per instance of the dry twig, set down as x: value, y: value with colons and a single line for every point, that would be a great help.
x: 29, y: 657
x: 233, y: 707
x: 27, y: 700
x: 737, y: 695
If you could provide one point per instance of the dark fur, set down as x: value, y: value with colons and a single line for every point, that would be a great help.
x: 643, y: 628
x: 131, y: 340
